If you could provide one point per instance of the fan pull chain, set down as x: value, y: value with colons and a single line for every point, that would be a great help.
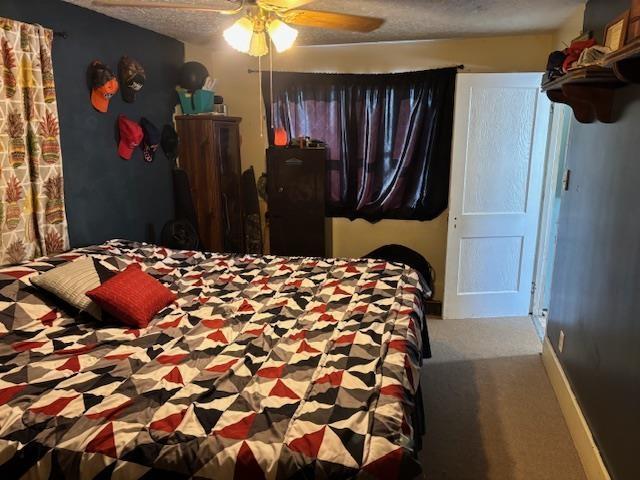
x: 271, y: 84
x: 260, y: 100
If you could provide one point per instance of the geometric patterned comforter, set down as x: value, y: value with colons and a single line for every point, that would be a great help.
x: 264, y: 367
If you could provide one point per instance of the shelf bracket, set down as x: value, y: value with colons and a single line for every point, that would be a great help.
x: 588, y: 103
x: 581, y: 110
x: 628, y: 70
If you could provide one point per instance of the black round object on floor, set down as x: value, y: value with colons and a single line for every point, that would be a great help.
x: 180, y: 235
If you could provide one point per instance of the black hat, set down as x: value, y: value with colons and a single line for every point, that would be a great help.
x: 150, y: 140
x: 132, y: 78
x: 169, y: 142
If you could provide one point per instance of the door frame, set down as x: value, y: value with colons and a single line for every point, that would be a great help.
x: 556, y: 150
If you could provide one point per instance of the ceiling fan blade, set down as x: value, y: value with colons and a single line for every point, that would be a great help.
x: 194, y: 7
x: 338, y: 21
x: 283, y: 4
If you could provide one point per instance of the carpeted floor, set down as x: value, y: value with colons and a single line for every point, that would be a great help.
x: 491, y: 412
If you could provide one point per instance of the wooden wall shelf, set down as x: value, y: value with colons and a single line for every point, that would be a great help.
x: 625, y: 62
x: 588, y: 91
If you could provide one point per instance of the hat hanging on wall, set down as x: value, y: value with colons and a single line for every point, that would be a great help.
x: 104, y: 85
x: 132, y: 78
x: 150, y: 139
x: 130, y: 136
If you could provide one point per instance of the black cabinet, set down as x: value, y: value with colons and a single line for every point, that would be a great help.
x: 296, y: 189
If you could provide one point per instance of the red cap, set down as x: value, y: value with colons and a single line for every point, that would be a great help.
x: 130, y: 136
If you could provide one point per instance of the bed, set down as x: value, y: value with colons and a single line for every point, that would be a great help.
x: 264, y: 367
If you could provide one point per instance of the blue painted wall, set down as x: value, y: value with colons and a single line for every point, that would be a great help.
x: 595, y: 295
x: 107, y: 197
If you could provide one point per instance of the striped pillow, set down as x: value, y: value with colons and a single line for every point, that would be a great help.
x: 71, y: 281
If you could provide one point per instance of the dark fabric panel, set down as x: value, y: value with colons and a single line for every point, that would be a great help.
x: 107, y: 197
x: 596, y: 279
x: 388, y: 135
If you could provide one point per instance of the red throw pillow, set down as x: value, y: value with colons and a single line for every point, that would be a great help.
x: 132, y: 296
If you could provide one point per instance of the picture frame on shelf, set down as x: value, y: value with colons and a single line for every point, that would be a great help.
x: 633, y: 29
x: 615, y: 33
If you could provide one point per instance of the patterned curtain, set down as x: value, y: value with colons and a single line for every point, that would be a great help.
x: 32, y: 214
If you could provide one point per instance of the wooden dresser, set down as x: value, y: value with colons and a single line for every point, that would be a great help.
x: 210, y: 155
x: 296, y: 194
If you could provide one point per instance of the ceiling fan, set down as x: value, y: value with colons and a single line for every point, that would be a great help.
x: 248, y: 34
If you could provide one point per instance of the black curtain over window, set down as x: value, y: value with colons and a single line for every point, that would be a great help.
x: 389, y: 137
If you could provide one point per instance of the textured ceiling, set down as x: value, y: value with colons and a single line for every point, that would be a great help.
x: 405, y: 19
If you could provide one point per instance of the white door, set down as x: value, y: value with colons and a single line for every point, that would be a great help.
x: 499, y: 142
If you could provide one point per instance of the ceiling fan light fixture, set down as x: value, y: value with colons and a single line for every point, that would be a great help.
x: 258, y: 46
x: 239, y: 35
x: 282, y: 35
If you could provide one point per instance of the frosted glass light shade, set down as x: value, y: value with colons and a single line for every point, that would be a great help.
x: 258, y: 46
x: 239, y: 34
x: 282, y: 35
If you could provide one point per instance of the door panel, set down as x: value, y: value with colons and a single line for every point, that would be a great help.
x: 503, y: 255
x: 198, y: 161
x: 499, y: 141
x: 499, y: 145
x: 230, y: 176
x: 302, y: 237
x: 298, y: 185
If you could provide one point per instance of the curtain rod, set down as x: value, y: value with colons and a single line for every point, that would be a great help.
x: 252, y: 70
x: 63, y: 35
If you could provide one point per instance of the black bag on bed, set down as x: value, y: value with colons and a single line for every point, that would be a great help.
x: 402, y: 254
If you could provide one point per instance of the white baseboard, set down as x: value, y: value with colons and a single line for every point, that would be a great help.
x: 580, y: 433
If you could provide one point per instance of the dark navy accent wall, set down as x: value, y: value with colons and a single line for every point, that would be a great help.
x: 595, y: 296
x: 600, y: 12
x: 107, y: 197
